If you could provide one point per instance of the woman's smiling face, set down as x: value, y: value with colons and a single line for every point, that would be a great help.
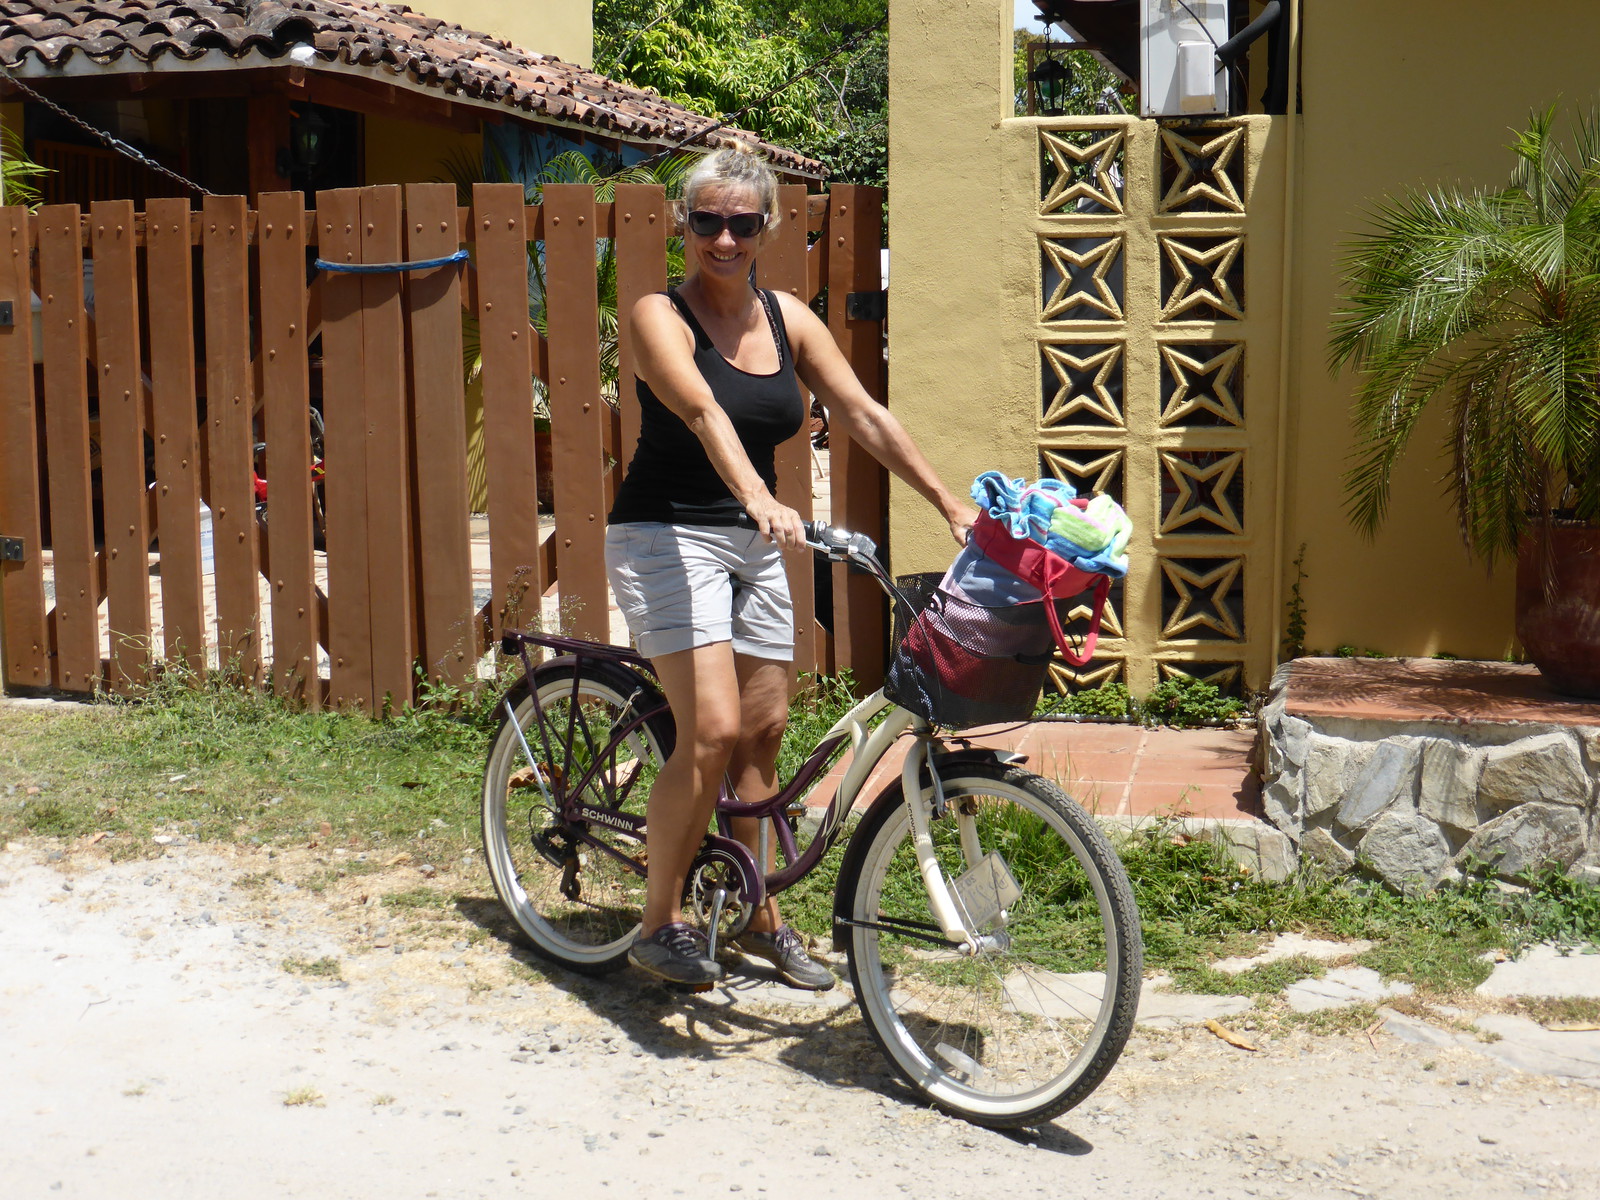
x: 724, y: 255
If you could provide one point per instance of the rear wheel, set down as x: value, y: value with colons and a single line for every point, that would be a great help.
x: 1029, y: 1025
x: 576, y: 888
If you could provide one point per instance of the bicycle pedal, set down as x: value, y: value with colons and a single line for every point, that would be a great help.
x: 691, y: 989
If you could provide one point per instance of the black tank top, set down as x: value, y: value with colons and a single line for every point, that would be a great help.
x: 671, y: 479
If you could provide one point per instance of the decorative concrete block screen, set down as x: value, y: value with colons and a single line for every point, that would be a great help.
x: 1160, y: 250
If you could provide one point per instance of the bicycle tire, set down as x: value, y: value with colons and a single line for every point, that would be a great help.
x: 531, y: 851
x: 1016, y: 1035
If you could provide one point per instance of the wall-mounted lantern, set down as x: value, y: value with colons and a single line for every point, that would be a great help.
x: 308, y: 142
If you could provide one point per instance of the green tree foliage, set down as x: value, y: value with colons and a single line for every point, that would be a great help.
x: 17, y: 171
x: 719, y: 56
x: 711, y: 57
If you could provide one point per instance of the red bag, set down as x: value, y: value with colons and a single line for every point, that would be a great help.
x: 1046, y: 570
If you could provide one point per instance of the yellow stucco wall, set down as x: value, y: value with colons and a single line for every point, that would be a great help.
x: 1394, y: 95
x: 415, y: 152
x: 960, y: 295
x: 563, y: 28
x: 1404, y: 95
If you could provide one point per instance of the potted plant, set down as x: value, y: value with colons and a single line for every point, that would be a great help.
x: 1489, y: 302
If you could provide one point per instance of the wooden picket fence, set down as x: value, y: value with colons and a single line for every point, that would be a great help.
x: 130, y: 432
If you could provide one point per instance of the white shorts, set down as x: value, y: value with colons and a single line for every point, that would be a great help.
x: 683, y: 586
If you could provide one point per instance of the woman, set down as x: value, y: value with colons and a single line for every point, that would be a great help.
x: 706, y: 600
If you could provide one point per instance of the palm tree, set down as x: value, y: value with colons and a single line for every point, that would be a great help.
x: 1489, y: 302
x: 17, y: 171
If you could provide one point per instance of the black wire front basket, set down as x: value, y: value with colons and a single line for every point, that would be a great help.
x: 958, y: 664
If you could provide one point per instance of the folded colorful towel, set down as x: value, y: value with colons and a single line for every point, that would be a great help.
x: 1023, y: 507
x: 1076, y: 526
x: 1092, y: 535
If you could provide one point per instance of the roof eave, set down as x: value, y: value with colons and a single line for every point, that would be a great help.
x: 80, y: 66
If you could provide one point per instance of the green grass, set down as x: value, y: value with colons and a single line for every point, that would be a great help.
x: 1265, y: 980
x: 1196, y: 904
x: 217, y: 763
x: 214, y: 763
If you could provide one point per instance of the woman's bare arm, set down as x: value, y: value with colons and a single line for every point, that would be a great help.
x: 824, y: 369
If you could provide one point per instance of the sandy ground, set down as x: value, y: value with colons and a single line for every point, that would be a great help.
x: 159, y: 1037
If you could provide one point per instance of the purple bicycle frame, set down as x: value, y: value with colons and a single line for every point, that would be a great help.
x: 757, y: 885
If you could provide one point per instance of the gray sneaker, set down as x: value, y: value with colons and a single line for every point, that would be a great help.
x: 677, y: 953
x: 784, y: 950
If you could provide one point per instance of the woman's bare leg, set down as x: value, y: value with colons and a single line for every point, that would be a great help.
x: 702, y: 686
x: 753, y: 768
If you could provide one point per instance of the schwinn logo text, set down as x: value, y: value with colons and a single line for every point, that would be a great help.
x: 598, y: 816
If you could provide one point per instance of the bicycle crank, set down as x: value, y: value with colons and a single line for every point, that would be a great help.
x: 708, y: 897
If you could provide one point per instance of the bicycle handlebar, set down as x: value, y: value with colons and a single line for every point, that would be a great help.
x: 838, y: 544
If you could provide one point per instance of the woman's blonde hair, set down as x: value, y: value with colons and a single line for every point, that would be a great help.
x: 733, y: 166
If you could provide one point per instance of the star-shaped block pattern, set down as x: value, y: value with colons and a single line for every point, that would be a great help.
x: 1202, y: 170
x: 1202, y: 278
x: 1201, y: 384
x: 1202, y: 491
x: 1082, y: 279
x: 1097, y: 673
x: 1075, y: 620
x: 1082, y: 385
x: 1080, y: 171
x: 1224, y: 676
x: 1088, y: 471
x: 1202, y: 598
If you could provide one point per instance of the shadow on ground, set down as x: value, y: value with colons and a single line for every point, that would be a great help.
x: 827, y: 1041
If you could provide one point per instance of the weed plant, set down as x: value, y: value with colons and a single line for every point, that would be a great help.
x: 1109, y: 701
x: 1196, y: 904
x: 1181, y: 701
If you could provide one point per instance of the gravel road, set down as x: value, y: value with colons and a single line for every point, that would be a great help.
x: 245, y: 1023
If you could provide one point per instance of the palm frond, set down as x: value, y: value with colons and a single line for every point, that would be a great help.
x: 1492, y: 301
x: 18, y: 171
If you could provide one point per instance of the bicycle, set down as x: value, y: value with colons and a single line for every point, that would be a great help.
x: 991, y: 933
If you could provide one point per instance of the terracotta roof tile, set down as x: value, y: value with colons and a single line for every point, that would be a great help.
x: 420, y: 51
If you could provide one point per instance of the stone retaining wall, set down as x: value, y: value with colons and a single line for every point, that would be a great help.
x: 1414, y: 801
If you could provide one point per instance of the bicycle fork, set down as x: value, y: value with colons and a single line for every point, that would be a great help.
x: 952, y: 914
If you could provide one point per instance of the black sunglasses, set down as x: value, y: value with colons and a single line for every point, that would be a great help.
x: 741, y: 225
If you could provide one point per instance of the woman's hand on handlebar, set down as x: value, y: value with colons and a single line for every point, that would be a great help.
x: 777, y: 522
x: 961, y: 524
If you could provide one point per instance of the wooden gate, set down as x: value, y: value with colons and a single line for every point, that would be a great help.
x: 179, y: 357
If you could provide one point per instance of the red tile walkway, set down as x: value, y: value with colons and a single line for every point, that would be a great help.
x: 1428, y: 689
x: 1123, y: 770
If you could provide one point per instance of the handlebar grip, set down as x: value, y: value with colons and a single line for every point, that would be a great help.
x: 813, y: 529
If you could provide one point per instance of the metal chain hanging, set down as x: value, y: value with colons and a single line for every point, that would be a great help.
x: 112, y: 142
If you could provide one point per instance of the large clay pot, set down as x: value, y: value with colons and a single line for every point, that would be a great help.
x: 1561, y: 631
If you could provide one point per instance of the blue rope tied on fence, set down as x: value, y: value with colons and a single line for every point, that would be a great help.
x: 424, y: 264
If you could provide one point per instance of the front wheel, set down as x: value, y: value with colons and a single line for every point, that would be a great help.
x: 1029, y: 1025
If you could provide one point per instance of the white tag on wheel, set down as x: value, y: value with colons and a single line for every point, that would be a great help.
x: 987, y: 890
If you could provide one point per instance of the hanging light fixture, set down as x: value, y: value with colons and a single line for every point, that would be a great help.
x: 1049, y: 80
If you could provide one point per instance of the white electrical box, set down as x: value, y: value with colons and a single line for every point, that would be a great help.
x: 1178, y: 43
